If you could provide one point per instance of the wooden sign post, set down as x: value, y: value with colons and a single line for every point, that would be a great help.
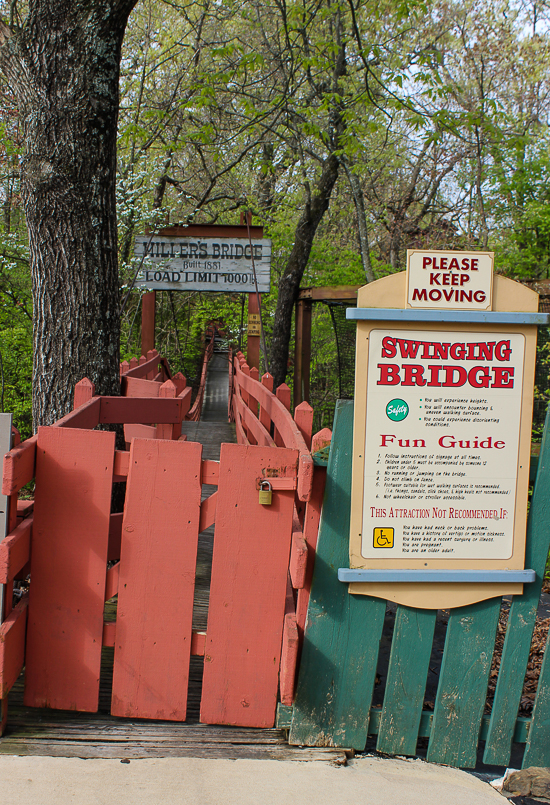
x: 442, y: 432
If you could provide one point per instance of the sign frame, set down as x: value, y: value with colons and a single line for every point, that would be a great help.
x: 462, y: 266
x: 391, y: 293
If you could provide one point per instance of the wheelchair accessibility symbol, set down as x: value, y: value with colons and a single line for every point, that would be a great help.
x: 383, y: 537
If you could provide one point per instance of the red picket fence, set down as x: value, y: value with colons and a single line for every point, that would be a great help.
x: 84, y: 472
x: 151, y: 377
x: 150, y: 367
x: 257, y: 604
x: 263, y: 418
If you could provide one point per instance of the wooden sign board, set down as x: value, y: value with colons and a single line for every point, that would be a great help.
x: 439, y: 280
x: 217, y: 264
x: 442, y: 436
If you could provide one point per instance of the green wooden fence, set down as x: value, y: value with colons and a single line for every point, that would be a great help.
x: 333, y: 704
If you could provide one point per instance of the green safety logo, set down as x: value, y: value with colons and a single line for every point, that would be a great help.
x: 397, y: 410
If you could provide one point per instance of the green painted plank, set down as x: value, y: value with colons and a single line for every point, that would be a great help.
x: 342, y: 635
x: 537, y: 749
x: 462, y: 688
x: 521, y: 620
x: 521, y: 731
x: 406, y: 681
x: 284, y: 716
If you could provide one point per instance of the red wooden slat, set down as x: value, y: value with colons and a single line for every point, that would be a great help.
x: 115, y: 535
x: 15, y: 551
x: 24, y: 508
x: 138, y: 387
x: 185, y: 397
x: 12, y: 646
x: 146, y: 411
x: 86, y: 416
x: 241, y: 435
x: 109, y: 634
x: 111, y: 583
x: 18, y: 467
x: 180, y: 382
x: 298, y: 560
x: 83, y: 392
x: 122, y: 464
x: 74, y: 471
x: 289, y: 652
x: 303, y: 416
x: 198, y: 643
x: 208, y: 512
x: 248, y: 589
x: 321, y: 440
x: 139, y: 432
x: 168, y: 390
x: 267, y: 381
x: 210, y: 472
x: 312, y: 517
x: 157, y: 580
x: 243, y: 396
x: 289, y: 659
x: 283, y: 395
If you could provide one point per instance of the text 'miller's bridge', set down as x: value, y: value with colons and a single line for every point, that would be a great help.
x: 243, y: 600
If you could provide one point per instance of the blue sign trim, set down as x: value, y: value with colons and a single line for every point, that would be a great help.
x: 448, y: 576
x: 446, y: 316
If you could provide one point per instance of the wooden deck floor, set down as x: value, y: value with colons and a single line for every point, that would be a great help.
x: 57, y: 733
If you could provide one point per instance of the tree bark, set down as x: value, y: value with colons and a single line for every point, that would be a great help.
x: 63, y: 65
x: 289, y: 284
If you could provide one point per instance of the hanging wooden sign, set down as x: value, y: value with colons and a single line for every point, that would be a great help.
x: 442, y: 434
x: 197, y: 263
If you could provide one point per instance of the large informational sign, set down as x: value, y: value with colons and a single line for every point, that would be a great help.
x: 219, y: 264
x: 442, y: 433
x: 442, y: 429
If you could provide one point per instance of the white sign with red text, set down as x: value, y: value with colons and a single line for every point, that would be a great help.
x: 442, y: 441
x: 449, y: 280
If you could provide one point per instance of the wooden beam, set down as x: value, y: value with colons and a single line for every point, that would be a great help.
x: 339, y: 292
x: 211, y: 230
x: 148, y: 309
x: 15, y: 551
x: 139, y: 410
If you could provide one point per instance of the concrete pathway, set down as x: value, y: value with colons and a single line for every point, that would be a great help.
x: 167, y: 781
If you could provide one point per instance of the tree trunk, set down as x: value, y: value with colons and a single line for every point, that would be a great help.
x: 63, y: 65
x: 289, y: 284
x: 362, y: 229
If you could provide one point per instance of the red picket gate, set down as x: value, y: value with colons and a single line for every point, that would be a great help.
x: 156, y: 540
x: 83, y: 556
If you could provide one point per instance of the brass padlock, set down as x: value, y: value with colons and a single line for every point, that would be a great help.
x: 266, y: 493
